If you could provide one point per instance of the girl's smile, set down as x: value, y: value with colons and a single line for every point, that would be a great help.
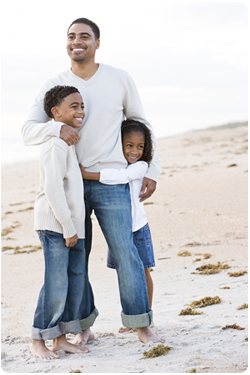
x: 133, y: 146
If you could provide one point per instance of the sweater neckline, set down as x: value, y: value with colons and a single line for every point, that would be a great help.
x: 91, y: 79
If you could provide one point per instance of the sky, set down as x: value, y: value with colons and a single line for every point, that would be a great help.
x: 188, y: 59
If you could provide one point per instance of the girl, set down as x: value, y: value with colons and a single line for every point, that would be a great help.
x: 137, y: 150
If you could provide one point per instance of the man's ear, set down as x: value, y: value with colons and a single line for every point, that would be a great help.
x: 97, y: 43
x: 55, y: 112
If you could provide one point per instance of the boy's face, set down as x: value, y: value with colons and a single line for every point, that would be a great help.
x: 133, y: 146
x: 70, y: 111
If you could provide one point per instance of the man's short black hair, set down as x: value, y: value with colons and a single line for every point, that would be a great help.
x: 86, y: 21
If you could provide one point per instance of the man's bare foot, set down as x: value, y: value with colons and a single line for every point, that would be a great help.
x: 84, y: 337
x: 39, y: 349
x: 145, y: 335
x: 60, y: 343
x: 127, y: 329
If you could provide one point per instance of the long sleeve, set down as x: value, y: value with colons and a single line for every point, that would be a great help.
x: 134, y: 110
x: 134, y: 171
x: 55, y: 166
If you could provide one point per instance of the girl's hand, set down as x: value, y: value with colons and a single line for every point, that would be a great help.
x: 94, y: 176
x: 69, y: 242
x: 82, y: 171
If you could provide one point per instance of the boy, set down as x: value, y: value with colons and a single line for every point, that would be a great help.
x: 59, y: 220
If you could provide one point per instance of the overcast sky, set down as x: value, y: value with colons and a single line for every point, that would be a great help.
x: 188, y: 59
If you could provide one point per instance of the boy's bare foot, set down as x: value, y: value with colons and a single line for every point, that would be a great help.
x: 39, y: 349
x: 84, y: 337
x: 145, y: 335
x: 60, y: 343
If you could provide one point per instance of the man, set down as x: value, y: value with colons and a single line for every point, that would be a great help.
x: 109, y: 95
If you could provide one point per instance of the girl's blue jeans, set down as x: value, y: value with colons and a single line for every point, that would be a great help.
x: 65, y: 303
x: 112, y: 207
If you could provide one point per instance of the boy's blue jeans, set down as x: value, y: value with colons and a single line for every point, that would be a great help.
x: 112, y: 207
x: 65, y: 303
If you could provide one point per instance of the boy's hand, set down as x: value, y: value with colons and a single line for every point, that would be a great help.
x: 69, y: 135
x: 69, y: 242
x: 148, y: 188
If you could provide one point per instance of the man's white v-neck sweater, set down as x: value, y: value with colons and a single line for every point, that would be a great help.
x: 109, y: 96
x: 59, y: 206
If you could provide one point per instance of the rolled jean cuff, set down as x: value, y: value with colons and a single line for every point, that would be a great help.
x: 137, y: 321
x: 89, y: 321
x: 54, y: 332
x: 70, y: 327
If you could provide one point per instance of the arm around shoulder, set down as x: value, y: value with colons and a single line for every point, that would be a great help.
x: 38, y: 128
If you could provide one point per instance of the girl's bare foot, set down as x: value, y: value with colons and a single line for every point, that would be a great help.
x: 84, y: 337
x: 60, y: 343
x: 131, y: 330
x: 145, y: 335
x: 39, y: 349
x: 127, y: 329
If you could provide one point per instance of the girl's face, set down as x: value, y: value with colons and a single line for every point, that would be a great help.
x: 133, y: 146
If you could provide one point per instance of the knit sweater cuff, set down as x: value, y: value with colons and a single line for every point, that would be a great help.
x: 69, y: 229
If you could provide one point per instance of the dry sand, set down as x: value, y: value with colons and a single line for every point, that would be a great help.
x: 200, y: 206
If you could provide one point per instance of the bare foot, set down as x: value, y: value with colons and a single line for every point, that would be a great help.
x: 152, y: 324
x: 84, y: 337
x: 127, y: 329
x: 60, y: 343
x: 145, y: 335
x: 39, y: 349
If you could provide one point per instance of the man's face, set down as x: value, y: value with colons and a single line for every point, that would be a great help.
x: 81, y: 43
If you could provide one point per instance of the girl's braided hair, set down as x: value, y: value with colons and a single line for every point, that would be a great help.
x: 130, y: 126
x: 55, y: 96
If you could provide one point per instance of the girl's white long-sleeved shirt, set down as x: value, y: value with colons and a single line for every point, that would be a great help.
x: 109, y: 96
x: 133, y: 175
x: 59, y: 206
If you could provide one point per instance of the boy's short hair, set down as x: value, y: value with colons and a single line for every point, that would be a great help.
x: 55, y: 96
x: 86, y: 21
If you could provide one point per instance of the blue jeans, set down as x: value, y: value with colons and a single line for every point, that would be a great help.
x: 143, y: 242
x: 65, y: 303
x: 112, y: 207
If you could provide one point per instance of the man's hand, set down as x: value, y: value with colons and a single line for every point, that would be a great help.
x: 69, y: 135
x: 69, y: 242
x: 148, y: 188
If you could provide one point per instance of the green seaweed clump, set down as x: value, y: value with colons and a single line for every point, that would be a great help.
x: 189, y: 311
x: 26, y: 209
x: 206, y: 301
x: 184, y: 253
x: 157, y: 351
x: 236, y: 274
x: 21, y: 250
x: 192, y: 370
x: 6, y: 231
x: 234, y: 326
x: 209, y: 269
x: 75, y: 371
x: 206, y: 256
x: 244, y: 306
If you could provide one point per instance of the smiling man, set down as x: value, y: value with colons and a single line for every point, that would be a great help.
x: 109, y: 95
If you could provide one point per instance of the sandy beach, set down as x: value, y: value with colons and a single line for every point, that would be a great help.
x: 198, y: 220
